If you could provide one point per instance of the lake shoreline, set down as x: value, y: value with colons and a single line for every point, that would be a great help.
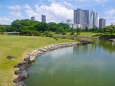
x: 22, y: 73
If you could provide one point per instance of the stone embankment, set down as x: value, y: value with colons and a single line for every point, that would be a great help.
x: 22, y: 67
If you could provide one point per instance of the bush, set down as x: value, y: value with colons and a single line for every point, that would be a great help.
x: 48, y: 34
x: 37, y: 33
x: 72, y: 33
x: 63, y: 32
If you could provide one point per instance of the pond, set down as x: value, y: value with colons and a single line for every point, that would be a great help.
x: 84, y: 65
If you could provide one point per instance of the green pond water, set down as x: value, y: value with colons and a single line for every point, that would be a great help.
x: 84, y: 65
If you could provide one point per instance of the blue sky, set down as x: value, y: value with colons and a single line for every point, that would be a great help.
x: 55, y: 10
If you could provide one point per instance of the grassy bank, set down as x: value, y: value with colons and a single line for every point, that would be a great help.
x: 19, y: 46
x: 88, y: 34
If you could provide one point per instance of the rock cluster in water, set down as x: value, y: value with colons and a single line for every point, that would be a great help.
x: 22, y: 67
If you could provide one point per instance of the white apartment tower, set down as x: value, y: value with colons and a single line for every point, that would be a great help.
x: 44, y: 18
x: 87, y: 18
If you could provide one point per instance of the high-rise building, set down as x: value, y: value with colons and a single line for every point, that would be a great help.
x: 95, y: 20
x: 68, y: 21
x: 102, y: 22
x: 33, y: 18
x: 44, y: 18
x: 87, y: 18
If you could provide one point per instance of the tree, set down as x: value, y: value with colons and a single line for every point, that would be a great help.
x: 2, y: 29
x: 72, y: 31
x: 78, y: 30
x: 86, y: 29
x: 47, y: 34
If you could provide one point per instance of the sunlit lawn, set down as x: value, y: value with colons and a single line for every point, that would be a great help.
x: 88, y: 34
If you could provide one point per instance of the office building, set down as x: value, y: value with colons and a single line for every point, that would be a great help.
x: 87, y: 18
x: 95, y: 20
x: 44, y: 18
x: 33, y: 18
x: 75, y: 26
x: 68, y: 21
x: 102, y: 22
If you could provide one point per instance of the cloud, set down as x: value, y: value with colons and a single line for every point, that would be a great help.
x: 27, y: 6
x: 110, y: 12
x: 5, y: 20
x: 17, y: 7
x: 16, y: 15
x: 66, y: 3
x: 110, y: 16
x: 29, y: 11
x: 12, y: 16
x: 52, y: 1
x: 55, y: 12
x: 91, y: 0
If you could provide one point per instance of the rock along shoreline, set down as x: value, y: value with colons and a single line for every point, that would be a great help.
x: 22, y: 73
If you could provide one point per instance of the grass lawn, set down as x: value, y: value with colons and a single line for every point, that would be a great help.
x: 19, y: 46
x: 88, y: 34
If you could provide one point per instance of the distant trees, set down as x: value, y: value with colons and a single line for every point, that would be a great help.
x: 109, y: 30
x: 5, y: 28
x: 31, y: 27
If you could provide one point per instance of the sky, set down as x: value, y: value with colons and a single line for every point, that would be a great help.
x: 55, y: 10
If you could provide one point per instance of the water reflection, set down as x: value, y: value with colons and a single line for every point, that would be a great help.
x: 87, y: 65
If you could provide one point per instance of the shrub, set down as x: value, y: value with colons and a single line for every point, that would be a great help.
x: 48, y: 34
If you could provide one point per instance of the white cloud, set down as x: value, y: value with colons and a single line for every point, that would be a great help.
x: 17, y: 7
x: 110, y: 12
x: 17, y: 14
x: 91, y: 0
x: 110, y: 16
x: 66, y: 3
x: 27, y: 6
x: 5, y: 20
x: 52, y: 1
x: 29, y: 11
x: 12, y: 16
x: 54, y: 12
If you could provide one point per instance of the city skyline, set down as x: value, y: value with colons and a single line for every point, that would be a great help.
x: 56, y: 10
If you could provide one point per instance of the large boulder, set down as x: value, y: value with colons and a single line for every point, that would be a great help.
x: 20, y: 84
x: 23, y: 75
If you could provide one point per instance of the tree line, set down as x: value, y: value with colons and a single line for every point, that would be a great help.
x: 31, y: 27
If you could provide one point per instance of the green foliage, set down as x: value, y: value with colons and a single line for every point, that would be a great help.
x: 35, y: 33
x: 31, y: 27
x: 109, y: 30
x: 86, y: 29
x: 47, y: 34
x: 27, y: 27
x: 72, y: 31
x: 78, y: 31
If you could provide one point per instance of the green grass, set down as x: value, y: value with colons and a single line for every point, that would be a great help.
x: 19, y: 46
x: 88, y: 34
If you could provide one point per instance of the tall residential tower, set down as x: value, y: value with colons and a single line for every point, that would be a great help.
x: 33, y: 18
x: 87, y: 18
x: 102, y: 22
x: 44, y: 18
